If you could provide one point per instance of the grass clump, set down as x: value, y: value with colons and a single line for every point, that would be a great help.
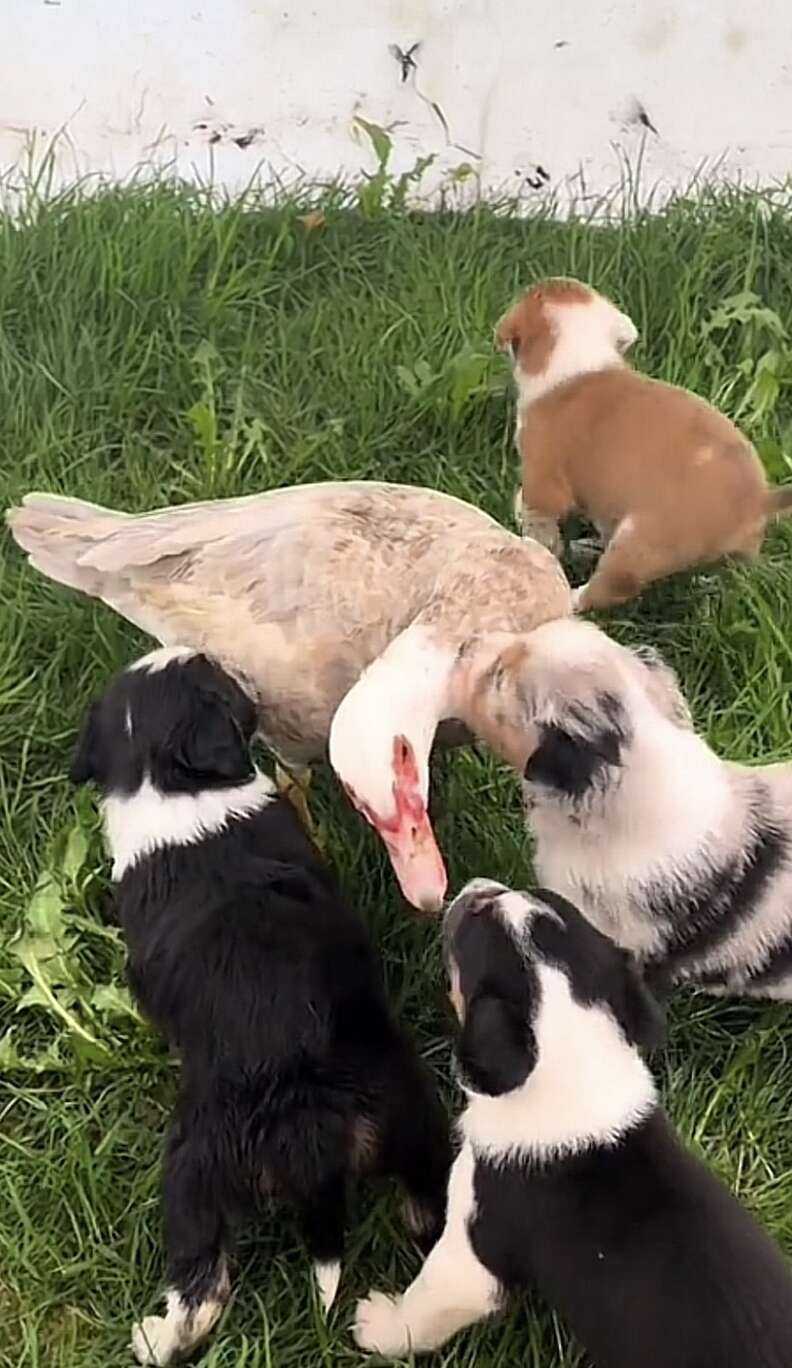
x: 155, y: 348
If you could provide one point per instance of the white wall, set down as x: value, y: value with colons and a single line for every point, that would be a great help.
x: 557, y: 84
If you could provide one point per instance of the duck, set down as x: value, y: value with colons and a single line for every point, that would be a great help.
x: 351, y: 612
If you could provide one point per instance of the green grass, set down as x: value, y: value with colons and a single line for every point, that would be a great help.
x: 153, y: 351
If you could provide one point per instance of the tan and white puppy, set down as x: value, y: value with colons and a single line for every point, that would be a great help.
x: 667, y: 480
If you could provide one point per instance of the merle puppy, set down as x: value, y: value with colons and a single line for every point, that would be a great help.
x: 680, y: 856
x: 570, y: 1179
x: 244, y: 955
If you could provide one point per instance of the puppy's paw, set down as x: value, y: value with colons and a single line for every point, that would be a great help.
x: 328, y: 1276
x: 155, y: 1341
x: 380, y: 1327
x: 578, y: 603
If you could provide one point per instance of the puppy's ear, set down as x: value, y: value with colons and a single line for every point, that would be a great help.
x: 625, y: 333
x: 507, y: 338
x: 662, y: 685
x: 86, y: 760
x: 211, y: 746
x: 572, y: 755
x: 496, y: 1048
x: 638, y: 1012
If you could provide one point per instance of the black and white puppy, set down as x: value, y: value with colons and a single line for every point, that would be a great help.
x: 294, y: 1077
x: 681, y: 857
x: 570, y: 1179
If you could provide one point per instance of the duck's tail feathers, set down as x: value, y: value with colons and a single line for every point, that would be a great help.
x: 779, y: 501
x: 58, y: 534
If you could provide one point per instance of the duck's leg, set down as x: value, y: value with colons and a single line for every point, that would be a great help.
x: 294, y: 784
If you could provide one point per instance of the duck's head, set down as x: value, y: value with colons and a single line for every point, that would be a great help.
x: 562, y: 695
x: 380, y: 740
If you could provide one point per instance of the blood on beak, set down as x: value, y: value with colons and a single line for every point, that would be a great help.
x: 417, y: 862
x: 407, y: 833
x: 408, y: 836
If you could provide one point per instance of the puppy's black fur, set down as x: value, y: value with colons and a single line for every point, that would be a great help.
x: 186, y: 727
x: 575, y: 753
x: 496, y: 1049
x: 647, y: 1255
x: 244, y: 955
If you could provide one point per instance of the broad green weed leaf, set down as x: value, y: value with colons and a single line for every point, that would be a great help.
x: 89, y: 1051
x: 75, y: 853
x: 11, y: 1061
x: 206, y: 356
x: 407, y: 380
x: 44, y: 915
x: 380, y: 140
x: 10, y: 982
x: 204, y: 425
x: 111, y: 1001
x: 47, y: 967
x: 35, y: 997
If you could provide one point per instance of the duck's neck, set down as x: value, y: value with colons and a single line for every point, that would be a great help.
x: 411, y: 683
x: 401, y: 698
x: 419, y: 681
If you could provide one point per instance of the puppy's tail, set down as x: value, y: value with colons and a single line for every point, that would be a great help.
x: 779, y: 501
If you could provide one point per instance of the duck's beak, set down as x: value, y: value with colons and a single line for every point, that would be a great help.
x: 417, y: 862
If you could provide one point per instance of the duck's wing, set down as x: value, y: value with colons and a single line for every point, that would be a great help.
x: 158, y: 568
x: 297, y: 590
x: 311, y: 580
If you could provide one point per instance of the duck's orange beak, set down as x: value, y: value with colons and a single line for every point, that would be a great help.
x: 417, y: 862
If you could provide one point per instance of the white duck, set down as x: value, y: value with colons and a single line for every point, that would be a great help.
x: 375, y: 594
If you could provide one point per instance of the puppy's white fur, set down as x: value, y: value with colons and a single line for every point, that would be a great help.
x: 158, y: 1340
x: 328, y: 1276
x: 161, y: 657
x: 588, y: 1087
x: 148, y: 819
x: 588, y: 337
x: 671, y: 813
x: 451, y: 1291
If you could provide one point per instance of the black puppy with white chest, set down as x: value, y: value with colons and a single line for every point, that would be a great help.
x: 294, y: 1077
x: 570, y: 1179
